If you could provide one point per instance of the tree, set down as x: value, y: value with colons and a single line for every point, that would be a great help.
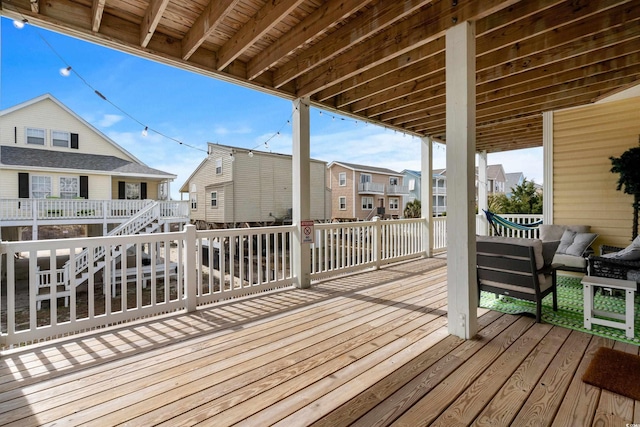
x: 628, y: 166
x: 413, y: 209
x: 524, y: 199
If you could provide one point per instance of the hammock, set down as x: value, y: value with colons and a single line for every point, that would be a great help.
x: 497, y: 219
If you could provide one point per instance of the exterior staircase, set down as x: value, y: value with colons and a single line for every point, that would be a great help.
x: 145, y: 221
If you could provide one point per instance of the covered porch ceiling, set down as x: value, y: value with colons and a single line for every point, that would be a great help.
x: 380, y: 61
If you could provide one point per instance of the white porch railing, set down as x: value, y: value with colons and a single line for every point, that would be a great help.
x: 370, y: 188
x: 58, y: 209
x: 532, y: 233
x: 166, y: 272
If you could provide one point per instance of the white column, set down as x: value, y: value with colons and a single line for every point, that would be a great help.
x: 461, y: 148
x: 301, y: 189
x: 426, y: 194
x: 483, y: 202
x: 547, y: 155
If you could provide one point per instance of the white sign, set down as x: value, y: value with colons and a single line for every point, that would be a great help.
x: 307, y: 231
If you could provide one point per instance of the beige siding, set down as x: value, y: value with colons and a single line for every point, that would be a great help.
x: 152, y: 187
x: 47, y: 115
x: 584, y: 189
x: 99, y: 185
x: 337, y: 191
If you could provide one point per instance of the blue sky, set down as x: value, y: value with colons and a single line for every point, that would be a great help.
x: 193, y: 109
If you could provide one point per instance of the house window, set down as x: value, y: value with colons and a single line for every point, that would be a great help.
x: 194, y: 202
x: 60, y: 139
x: 393, y: 180
x: 393, y: 203
x: 40, y: 187
x: 367, y: 203
x: 35, y: 136
x: 365, y: 177
x: 412, y: 184
x: 69, y: 187
x: 214, y: 199
x: 342, y: 179
x: 132, y: 191
x: 218, y: 166
x: 342, y: 202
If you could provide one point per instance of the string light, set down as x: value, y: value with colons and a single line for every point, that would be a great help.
x: 65, y: 71
x: 19, y: 24
x: 145, y: 131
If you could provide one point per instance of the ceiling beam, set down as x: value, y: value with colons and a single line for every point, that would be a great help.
x: 268, y: 17
x: 97, y: 9
x: 205, y: 24
x: 151, y: 19
x: 381, y: 15
x: 418, y: 29
x: 326, y: 16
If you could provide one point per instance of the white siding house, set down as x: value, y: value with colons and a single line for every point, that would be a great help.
x: 235, y: 186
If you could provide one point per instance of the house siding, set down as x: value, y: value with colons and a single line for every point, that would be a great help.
x: 255, y: 189
x: 48, y: 115
x: 337, y: 191
x: 584, y: 189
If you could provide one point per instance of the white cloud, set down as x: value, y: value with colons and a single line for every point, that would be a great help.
x: 109, y: 120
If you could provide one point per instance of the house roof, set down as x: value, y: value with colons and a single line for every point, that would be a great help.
x: 52, y: 98
x: 513, y: 179
x: 365, y: 168
x: 380, y: 61
x: 46, y: 159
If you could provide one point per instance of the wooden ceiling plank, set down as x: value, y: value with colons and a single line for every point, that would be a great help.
x: 97, y: 9
x: 151, y: 19
x: 268, y: 17
x: 317, y: 22
x: 588, y: 34
x: 210, y: 18
x: 419, y: 29
x: 381, y: 15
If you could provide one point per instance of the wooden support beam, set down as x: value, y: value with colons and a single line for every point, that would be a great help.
x: 151, y: 19
x: 97, y: 9
x: 205, y: 24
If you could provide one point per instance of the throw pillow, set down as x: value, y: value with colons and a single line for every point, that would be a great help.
x: 575, y: 244
x: 630, y: 253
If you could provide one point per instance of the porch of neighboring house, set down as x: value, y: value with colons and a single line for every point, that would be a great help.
x: 366, y: 349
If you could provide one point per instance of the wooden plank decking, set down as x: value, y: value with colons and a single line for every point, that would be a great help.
x: 368, y: 349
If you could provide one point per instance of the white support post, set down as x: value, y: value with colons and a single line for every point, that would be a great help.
x: 35, y: 207
x: 547, y: 155
x: 377, y: 242
x: 190, y: 273
x: 426, y: 195
x: 483, y: 201
x: 461, y: 148
x: 301, y: 252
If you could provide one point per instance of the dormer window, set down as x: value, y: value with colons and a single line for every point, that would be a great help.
x: 35, y: 136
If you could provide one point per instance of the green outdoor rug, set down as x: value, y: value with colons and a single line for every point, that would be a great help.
x: 570, y: 313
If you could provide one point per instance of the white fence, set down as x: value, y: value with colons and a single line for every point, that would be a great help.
x: 136, y: 276
x: 58, y: 209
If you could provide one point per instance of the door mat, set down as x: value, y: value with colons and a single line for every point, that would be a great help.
x: 615, y: 371
x: 570, y: 309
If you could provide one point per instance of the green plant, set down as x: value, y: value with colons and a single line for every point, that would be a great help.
x: 628, y: 166
x: 413, y: 209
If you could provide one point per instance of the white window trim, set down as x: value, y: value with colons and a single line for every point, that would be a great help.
x: 392, y: 178
x: 44, y: 136
x: 214, y: 199
x: 31, y: 183
x: 367, y: 175
x: 366, y: 207
x: 342, y: 179
x: 218, y: 166
x: 342, y: 200
x: 193, y: 198
x: 53, y: 139
x: 77, y: 179
x: 394, y: 201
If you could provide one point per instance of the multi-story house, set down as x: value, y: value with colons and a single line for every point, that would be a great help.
x: 514, y: 179
x: 496, y: 179
x: 235, y: 186
x: 61, y: 177
x: 361, y: 192
x: 438, y: 182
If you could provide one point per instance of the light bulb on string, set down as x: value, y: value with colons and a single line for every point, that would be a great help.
x: 145, y: 131
x: 250, y: 153
x: 65, y: 71
x: 233, y: 158
x: 19, y: 24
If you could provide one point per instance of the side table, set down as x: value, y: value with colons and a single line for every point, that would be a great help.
x: 595, y: 317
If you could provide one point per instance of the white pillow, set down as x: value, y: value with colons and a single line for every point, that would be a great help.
x: 573, y: 243
x: 630, y: 253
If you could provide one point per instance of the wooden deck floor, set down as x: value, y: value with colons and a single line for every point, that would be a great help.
x: 368, y: 349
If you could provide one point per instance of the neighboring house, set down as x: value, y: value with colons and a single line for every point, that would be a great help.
x: 235, y: 186
x: 57, y: 169
x: 439, y: 184
x: 514, y: 179
x: 496, y: 179
x: 361, y: 192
